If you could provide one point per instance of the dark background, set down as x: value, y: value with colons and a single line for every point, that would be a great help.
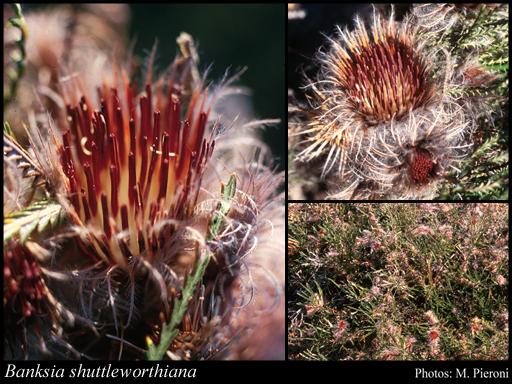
x: 229, y: 36
x: 306, y: 35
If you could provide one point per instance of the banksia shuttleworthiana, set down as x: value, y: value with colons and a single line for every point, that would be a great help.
x: 386, y: 110
x: 421, y: 168
x: 385, y: 76
x: 25, y: 292
x: 148, y: 241
x: 110, y: 149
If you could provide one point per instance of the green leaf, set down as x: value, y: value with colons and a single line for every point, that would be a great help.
x: 37, y: 215
x: 157, y: 352
x: 215, y: 226
x: 19, y: 58
x: 227, y: 191
x: 8, y: 130
x: 190, y: 282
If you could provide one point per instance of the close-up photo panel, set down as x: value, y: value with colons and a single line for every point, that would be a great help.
x: 144, y: 193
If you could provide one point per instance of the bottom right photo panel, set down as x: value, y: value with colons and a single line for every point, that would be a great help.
x: 398, y: 281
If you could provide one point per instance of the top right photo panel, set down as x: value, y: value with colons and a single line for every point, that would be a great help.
x: 398, y: 102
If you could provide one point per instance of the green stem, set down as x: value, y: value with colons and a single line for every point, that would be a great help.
x: 190, y: 282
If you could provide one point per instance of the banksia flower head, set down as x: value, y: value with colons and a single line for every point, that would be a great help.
x: 381, y: 114
x: 384, y: 76
x: 159, y: 249
x: 26, y: 295
x: 433, y: 340
x: 502, y: 320
x: 339, y: 329
x: 126, y: 165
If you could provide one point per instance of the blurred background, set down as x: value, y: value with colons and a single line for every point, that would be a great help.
x: 309, y: 24
x: 228, y: 36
